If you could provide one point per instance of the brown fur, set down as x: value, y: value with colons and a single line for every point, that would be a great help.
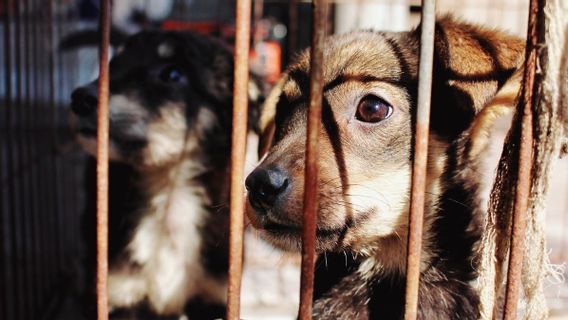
x: 365, y: 168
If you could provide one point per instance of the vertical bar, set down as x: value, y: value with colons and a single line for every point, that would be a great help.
x: 9, y: 266
x: 416, y: 216
x: 258, y: 12
x: 34, y: 145
x: 292, y: 27
x: 102, y: 163
x: 27, y: 112
x: 20, y: 213
x: 319, y: 17
x: 239, y: 132
x: 522, y: 191
x: 53, y: 153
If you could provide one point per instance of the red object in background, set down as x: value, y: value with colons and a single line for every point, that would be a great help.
x: 200, y: 27
x: 265, y: 56
x: 266, y: 59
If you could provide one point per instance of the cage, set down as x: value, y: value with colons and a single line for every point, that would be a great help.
x: 42, y: 188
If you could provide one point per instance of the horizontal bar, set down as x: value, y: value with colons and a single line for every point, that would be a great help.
x: 319, y: 14
x: 238, y: 149
x: 102, y: 163
x: 417, y: 196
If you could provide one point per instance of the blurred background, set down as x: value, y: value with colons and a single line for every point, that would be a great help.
x: 41, y: 167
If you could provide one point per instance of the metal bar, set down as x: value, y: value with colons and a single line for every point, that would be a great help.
x: 102, y: 162
x: 238, y: 146
x: 24, y: 212
x: 522, y: 191
x: 42, y: 178
x: 258, y: 12
x: 417, y: 196
x: 21, y: 214
x: 34, y: 146
x: 9, y: 267
x: 64, y: 186
x: 31, y: 231
x: 292, y: 28
x: 53, y: 141
x: 319, y: 17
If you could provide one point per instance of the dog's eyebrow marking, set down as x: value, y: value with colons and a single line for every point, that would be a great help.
x: 342, y: 79
x: 166, y: 50
x: 397, y: 51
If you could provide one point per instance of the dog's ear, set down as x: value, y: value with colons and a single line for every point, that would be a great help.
x: 211, y: 63
x: 476, y: 77
x: 91, y: 38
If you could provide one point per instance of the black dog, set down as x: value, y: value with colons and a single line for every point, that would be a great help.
x: 170, y: 132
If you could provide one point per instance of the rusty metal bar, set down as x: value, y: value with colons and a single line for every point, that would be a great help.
x: 522, y: 191
x: 102, y: 163
x: 319, y: 9
x: 292, y: 27
x: 258, y: 9
x: 238, y: 145
x: 420, y: 158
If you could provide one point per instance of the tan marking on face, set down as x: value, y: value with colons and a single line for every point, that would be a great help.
x: 89, y: 145
x: 125, y: 104
x: 166, y: 50
x: 166, y: 136
x: 384, y: 236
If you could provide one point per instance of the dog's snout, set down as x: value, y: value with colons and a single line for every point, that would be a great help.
x: 265, y: 186
x: 84, y: 101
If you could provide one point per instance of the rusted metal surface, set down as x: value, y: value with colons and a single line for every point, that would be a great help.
x: 292, y: 27
x: 522, y: 191
x: 417, y: 197
x: 319, y: 14
x: 239, y: 134
x: 102, y: 163
x: 258, y: 12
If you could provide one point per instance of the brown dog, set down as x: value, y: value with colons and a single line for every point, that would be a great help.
x: 366, y: 141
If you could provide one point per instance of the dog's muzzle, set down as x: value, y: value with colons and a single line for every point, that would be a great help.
x: 265, y: 188
x: 84, y: 101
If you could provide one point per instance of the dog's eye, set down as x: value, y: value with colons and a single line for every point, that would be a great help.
x: 171, y: 74
x: 373, y: 109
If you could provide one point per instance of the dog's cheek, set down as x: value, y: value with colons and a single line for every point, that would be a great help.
x: 166, y: 137
x: 381, y: 204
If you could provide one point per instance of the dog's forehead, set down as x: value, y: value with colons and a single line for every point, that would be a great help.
x: 144, y: 49
x: 389, y: 57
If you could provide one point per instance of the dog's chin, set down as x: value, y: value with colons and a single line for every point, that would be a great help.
x: 289, y: 238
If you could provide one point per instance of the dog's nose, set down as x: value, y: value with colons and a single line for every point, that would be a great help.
x: 265, y: 186
x: 84, y: 101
